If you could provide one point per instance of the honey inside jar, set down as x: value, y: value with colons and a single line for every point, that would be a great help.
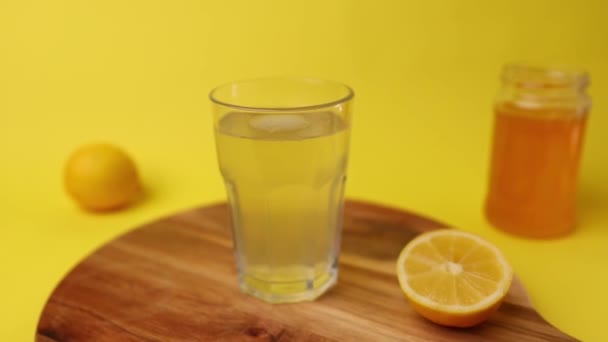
x: 540, y: 118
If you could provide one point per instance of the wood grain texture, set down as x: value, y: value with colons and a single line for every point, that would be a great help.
x: 175, y: 280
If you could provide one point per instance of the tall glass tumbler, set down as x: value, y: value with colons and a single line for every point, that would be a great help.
x: 282, y: 146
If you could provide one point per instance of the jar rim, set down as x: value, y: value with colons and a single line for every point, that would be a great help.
x: 544, y: 76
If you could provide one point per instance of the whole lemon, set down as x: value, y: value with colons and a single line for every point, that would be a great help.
x: 101, y: 177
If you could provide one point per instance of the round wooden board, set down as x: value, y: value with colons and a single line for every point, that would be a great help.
x: 175, y: 280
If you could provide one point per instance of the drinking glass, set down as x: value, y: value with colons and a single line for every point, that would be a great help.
x: 282, y: 147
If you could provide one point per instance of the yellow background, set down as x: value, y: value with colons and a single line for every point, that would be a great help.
x: 137, y: 72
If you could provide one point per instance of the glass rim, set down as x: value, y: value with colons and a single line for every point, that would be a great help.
x: 350, y: 94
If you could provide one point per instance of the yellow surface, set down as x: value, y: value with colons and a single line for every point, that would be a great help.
x: 136, y: 73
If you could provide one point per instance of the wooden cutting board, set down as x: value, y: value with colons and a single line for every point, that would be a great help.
x: 175, y: 280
